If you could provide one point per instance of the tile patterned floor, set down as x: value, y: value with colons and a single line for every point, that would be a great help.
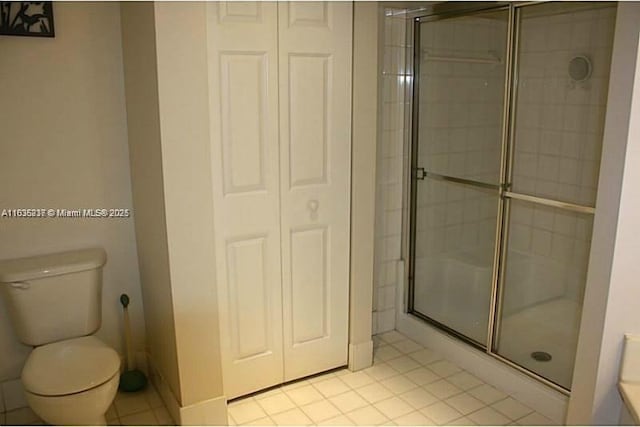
x: 141, y: 408
x: 407, y: 385
x: 144, y: 408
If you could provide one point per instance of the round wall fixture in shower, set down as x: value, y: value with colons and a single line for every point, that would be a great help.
x: 580, y: 68
x: 541, y: 356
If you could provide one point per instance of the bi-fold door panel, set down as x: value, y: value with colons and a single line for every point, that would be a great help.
x: 243, y: 70
x: 315, y: 156
x: 280, y: 85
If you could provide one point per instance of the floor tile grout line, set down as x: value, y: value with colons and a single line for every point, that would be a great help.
x: 399, y: 374
x: 398, y: 395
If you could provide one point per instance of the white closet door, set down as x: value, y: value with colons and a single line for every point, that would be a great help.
x: 243, y: 67
x: 315, y: 47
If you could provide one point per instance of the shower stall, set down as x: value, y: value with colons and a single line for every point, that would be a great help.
x: 507, y: 115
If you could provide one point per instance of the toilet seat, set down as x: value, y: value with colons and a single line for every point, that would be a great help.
x: 69, y: 367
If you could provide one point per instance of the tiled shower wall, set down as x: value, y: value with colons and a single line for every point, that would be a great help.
x: 389, y: 169
x: 461, y: 108
x: 558, y: 140
x: 461, y: 88
x: 559, y: 128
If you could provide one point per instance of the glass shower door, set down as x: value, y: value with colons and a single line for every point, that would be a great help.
x: 457, y: 152
x: 562, y: 65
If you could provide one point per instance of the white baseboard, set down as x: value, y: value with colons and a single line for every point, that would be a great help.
x: 207, y: 412
x: 360, y: 355
x: 212, y: 412
x: 532, y: 393
x: 165, y: 392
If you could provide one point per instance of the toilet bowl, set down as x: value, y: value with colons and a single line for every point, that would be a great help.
x: 72, y: 382
x: 55, y: 304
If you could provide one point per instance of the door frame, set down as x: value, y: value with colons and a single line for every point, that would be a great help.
x: 366, y: 68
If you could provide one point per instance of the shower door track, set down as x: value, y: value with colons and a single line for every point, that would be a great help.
x: 445, y: 11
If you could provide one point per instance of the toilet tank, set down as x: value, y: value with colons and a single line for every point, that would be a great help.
x: 54, y: 297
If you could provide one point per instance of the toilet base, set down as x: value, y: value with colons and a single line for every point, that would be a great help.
x: 84, y: 408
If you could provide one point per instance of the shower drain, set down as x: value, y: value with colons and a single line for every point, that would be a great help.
x: 541, y: 356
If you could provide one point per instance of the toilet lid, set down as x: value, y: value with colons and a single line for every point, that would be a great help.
x: 69, y: 366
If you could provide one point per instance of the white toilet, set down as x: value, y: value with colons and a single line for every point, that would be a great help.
x: 55, y: 303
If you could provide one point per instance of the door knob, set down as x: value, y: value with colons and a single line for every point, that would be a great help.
x: 312, y: 206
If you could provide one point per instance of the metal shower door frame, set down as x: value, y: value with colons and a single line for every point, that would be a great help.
x: 505, y: 195
x: 454, y: 11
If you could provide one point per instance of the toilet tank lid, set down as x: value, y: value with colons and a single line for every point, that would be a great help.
x: 38, y: 267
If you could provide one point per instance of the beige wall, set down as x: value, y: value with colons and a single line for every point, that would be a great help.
x: 184, y: 122
x: 363, y: 169
x: 612, y: 288
x: 139, y: 49
x: 167, y: 98
x: 64, y: 145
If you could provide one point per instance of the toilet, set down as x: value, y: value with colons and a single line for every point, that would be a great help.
x: 55, y: 304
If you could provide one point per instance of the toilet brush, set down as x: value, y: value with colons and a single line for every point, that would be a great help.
x: 131, y: 379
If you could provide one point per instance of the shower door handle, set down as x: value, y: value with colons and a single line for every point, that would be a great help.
x: 20, y: 285
x: 420, y: 174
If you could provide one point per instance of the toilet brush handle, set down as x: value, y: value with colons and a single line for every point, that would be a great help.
x: 127, y: 340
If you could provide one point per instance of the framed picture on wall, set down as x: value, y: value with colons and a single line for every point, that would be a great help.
x: 26, y: 18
